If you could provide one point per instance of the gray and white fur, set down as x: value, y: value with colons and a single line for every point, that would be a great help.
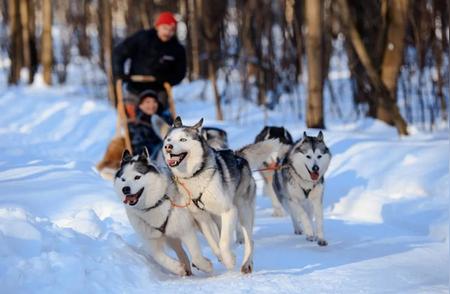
x: 285, y: 138
x: 299, y: 185
x: 148, y: 192
x: 219, y: 182
x: 215, y: 137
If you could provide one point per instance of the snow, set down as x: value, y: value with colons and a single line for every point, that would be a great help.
x: 63, y: 229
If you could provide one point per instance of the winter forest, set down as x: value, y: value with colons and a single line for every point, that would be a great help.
x: 395, y: 51
x: 372, y: 75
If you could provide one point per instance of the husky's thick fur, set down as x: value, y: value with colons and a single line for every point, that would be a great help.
x: 148, y: 194
x: 218, y: 183
x: 299, y: 185
x: 285, y: 138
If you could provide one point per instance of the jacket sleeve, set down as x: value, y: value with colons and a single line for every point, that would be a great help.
x: 122, y: 52
x: 180, y: 68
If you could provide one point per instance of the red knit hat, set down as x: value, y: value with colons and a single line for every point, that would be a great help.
x: 166, y: 18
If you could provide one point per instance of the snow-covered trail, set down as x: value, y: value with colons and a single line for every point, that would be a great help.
x: 63, y: 230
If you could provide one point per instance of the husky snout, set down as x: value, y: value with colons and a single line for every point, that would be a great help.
x: 168, y: 148
x: 126, y: 190
x: 314, y: 172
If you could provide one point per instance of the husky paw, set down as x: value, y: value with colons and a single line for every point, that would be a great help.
x: 181, y: 270
x: 240, y: 240
x: 218, y: 256
x: 203, y: 265
x: 298, y: 231
x: 229, y: 260
x: 310, y: 238
x: 322, y: 242
x: 277, y: 212
x: 247, y: 268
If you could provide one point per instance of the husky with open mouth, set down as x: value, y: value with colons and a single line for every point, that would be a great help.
x: 299, y: 185
x: 156, y: 211
x: 218, y: 182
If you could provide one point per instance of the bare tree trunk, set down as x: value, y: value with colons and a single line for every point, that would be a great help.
x: 133, y: 17
x: 217, y: 98
x: 383, y: 94
x: 313, y: 13
x: 213, y: 15
x: 143, y: 15
x: 84, y: 45
x: 47, y: 43
x: 26, y: 51
x: 15, y: 52
x: 194, y: 39
x: 393, y: 53
x: 106, y: 20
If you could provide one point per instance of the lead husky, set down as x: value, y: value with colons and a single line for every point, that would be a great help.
x: 299, y: 185
x: 218, y: 183
x: 148, y: 193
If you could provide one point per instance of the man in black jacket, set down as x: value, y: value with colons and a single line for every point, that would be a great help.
x: 155, y: 52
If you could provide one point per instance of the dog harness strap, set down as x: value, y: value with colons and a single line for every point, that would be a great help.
x: 162, y: 228
x: 198, y: 200
x: 158, y: 203
x: 306, y: 191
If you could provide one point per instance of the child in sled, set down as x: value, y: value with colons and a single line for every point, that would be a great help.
x: 142, y: 126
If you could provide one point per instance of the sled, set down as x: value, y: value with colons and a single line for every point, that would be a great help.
x: 121, y: 141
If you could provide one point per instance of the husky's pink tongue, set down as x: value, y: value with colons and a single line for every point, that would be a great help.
x: 172, y: 162
x: 314, y: 176
x: 129, y: 199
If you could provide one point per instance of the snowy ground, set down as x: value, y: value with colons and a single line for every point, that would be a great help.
x: 63, y: 230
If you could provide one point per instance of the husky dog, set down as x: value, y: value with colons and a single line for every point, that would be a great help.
x: 149, y: 195
x: 218, y: 183
x: 285, y: 138
x: 215, y: 137
x: 299, y: 185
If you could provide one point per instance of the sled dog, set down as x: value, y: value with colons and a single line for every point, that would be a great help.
x: 285, y: 138
x: 218, y: 182
x: 299, y: 185
x: 149, y: 195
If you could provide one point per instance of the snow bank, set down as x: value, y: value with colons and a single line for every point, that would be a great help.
x: 62, y: 228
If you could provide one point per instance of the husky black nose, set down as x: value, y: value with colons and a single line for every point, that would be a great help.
x: 315, y: 168
x: 168, y: 147
x: 126, y: 190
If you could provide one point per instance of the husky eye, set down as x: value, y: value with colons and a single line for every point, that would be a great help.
x: 308, y: 156
x: 137, y: 177
x: 319, y: 157
x: 183, y: 140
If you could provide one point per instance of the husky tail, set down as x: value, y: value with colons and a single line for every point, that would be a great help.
x: 258, y: 153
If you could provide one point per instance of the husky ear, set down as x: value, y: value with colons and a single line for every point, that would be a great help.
x: 320, y: 136
x: 198, y: 125
x: 126, y: 156
x: 304, y: 135
x: 144, y: 155
x: 177, y: 122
